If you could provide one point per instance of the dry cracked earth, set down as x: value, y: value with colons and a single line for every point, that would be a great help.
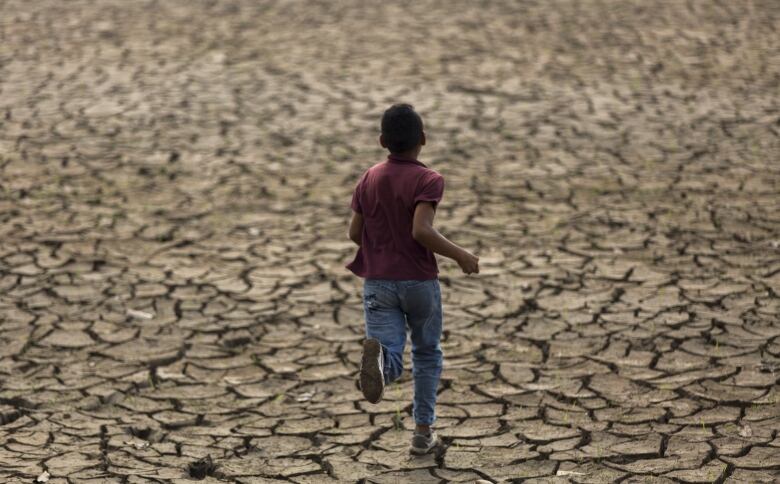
x: 174, y: 193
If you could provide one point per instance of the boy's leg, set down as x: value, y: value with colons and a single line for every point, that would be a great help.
x: 421, y: 300
x: 385, y: 322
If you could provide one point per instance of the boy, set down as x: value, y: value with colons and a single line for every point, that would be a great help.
x: 392, y: 223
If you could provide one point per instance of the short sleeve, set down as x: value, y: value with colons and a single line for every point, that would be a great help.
x: 355, y: 205
x: 431, y: 190
x: 356, y: 202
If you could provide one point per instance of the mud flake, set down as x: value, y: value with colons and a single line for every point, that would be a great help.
x: 68, y: 339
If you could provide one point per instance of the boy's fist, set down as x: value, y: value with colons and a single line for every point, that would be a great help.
x: 469, y: 263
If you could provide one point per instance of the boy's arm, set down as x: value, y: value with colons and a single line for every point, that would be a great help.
x: 356, y: 228
x: 427, y: 236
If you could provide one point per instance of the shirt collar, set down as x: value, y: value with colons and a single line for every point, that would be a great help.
x: 402, y: 159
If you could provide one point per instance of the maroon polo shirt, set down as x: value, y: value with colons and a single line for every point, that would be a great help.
x: 386, y: 196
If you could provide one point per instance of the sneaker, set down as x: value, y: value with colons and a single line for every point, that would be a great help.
x: 424, y: 443
x: 372, y: 376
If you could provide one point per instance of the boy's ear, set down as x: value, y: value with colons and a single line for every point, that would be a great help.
x: 382, y: 141
x: 422, y: 139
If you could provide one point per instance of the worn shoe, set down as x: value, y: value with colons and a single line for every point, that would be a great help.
x: 372, y: 376
x: 424, y: 443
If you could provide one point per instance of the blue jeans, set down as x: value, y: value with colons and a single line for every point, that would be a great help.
x: 391, y: 306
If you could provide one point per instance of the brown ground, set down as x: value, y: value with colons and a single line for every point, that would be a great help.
x: 175, y: 180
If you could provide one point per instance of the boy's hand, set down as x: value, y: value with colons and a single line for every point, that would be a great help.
x: 427, y: 236
x: 468, y: 262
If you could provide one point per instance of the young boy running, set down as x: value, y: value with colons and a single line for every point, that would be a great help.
x: 392, y: 223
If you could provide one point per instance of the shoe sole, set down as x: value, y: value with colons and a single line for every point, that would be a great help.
x: 416, y: 451
x: 371, y: 379
x: 423, y: 451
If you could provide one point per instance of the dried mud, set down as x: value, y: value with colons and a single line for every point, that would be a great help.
x: 175, y: 180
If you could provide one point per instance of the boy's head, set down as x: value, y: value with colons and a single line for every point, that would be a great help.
x: 402, y: 130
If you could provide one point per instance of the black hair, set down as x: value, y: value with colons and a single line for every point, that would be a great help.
x: 402, y: 128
